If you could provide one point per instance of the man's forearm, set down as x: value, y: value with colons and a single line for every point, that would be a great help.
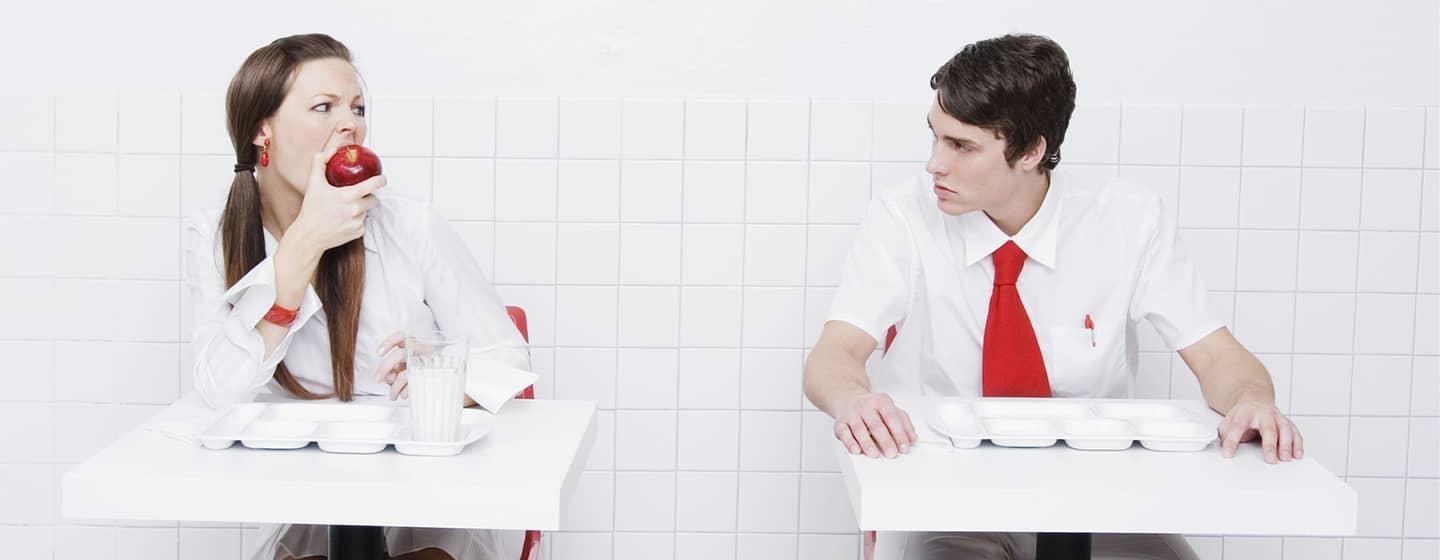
x: 1237, y: 376
x: 831, y: 375
x: 1228, y: 373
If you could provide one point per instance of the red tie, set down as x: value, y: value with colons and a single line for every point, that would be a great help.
x: 1011, y: 366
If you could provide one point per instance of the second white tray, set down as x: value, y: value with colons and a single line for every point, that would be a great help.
x: 1088, y: 424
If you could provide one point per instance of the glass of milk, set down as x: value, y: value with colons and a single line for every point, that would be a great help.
x: 435, y: 367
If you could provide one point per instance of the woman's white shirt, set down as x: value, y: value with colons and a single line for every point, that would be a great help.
x: 419, y: 276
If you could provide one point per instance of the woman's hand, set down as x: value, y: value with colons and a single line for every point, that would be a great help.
x: 391, y: 370
x: 333, y: 216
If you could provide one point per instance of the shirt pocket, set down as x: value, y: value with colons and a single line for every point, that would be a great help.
x: 1083, y: 365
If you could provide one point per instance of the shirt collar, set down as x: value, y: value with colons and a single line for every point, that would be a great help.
x: 1036, y: 237
x: 371, y: 242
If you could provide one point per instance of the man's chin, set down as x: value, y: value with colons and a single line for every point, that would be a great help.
x: 952, y: 207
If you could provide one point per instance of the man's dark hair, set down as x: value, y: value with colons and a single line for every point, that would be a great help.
x: 1016, y: 86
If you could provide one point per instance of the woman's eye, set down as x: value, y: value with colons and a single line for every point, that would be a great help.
x: 322, y: 108
x: 359, y: 110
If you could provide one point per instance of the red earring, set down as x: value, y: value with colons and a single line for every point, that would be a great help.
x: 265, y: 154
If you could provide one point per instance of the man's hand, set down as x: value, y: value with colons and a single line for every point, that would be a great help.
x: 1235, y: 382
x: 1279, y: 438
x: 870, y: 423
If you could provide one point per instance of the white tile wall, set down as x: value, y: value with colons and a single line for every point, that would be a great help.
x: 590, y: 128
x: 1329, y: 197
x: 648, y: 376
x: 715, y: 129
x: 1372, y: 548
x: 841, y: 130
x: 467, y: 128
x: 1334, y: 136
x: 1253, y: 548
x: 653, y: 129
x: 777, y: 130
x: 589, y: 190
x: 403, y: 126
x: 1273, y: 136
x: 31, y: 122
x: 1211, y: 135
x: 709, y: 378
x: 705, y: 546
x: 526, y: 128
x: 677, y: 256
x: 1382, y: 506
x: 1313, y: 549
x: 1093, y: 136
x: 1390, y: 199
x: 32, y: 186
x: 1150, y: 135
x: 714, y: 192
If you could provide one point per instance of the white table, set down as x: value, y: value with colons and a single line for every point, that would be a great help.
x: 515, y: 478
x: 1060, y: 490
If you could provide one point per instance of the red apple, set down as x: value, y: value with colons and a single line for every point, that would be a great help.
x: 351, y: 164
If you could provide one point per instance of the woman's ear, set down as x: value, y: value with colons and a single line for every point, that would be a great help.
x: 262, y: 137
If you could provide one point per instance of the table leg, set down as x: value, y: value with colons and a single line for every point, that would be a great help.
x: 1062, y: 546
x: 350, y: 542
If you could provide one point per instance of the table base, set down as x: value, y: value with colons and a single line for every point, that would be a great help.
x: 350, y: 542
x: 1062, y: 546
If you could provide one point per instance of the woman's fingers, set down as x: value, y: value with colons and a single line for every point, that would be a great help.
x: 399, y: 386
x: 395, y: 340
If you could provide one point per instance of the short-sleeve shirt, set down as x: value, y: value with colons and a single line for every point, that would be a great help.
x: 1098, y: 248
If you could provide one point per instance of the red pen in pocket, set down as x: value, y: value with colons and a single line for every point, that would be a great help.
x: 1090, y: 326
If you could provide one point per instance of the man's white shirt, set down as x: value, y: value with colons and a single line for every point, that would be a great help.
x: 1101, y: 249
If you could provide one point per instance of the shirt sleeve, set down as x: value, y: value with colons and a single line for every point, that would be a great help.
x: 879, y: 275
x: 230, y: 365
x: 464, y: 301
x: 1168, y: 291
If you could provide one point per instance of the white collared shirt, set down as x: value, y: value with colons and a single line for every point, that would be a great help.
x: 419, y: 276
x: 1099, y: 248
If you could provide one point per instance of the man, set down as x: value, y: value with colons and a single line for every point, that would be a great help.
x: 1005, y: 277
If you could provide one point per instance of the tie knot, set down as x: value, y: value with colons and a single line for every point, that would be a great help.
x: 1008, y: 259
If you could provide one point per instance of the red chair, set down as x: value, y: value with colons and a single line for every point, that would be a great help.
x: 517, y: 316
x: 530, y: 550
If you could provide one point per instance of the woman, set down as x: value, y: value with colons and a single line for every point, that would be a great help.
x: 308, y: 288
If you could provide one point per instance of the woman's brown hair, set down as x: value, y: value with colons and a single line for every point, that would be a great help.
x: 255, y: 93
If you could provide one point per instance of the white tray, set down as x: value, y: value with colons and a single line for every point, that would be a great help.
x: 1088, y: 424
x: 336, y: 427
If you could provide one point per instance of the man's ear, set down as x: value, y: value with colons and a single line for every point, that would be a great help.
x: 1031, y: 159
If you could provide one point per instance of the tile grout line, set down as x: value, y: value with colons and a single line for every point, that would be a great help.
x: 679, y: 321
x: 1354, y: 320
x: 804, y: 296
x: 1414, y: 328
x: 615, y: 378
x: 1295, y: 307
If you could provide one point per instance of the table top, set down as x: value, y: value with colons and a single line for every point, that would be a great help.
x: 1058, y: 489
x: 516, y: 477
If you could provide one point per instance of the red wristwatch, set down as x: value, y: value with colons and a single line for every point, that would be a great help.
x: 280, y: 316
